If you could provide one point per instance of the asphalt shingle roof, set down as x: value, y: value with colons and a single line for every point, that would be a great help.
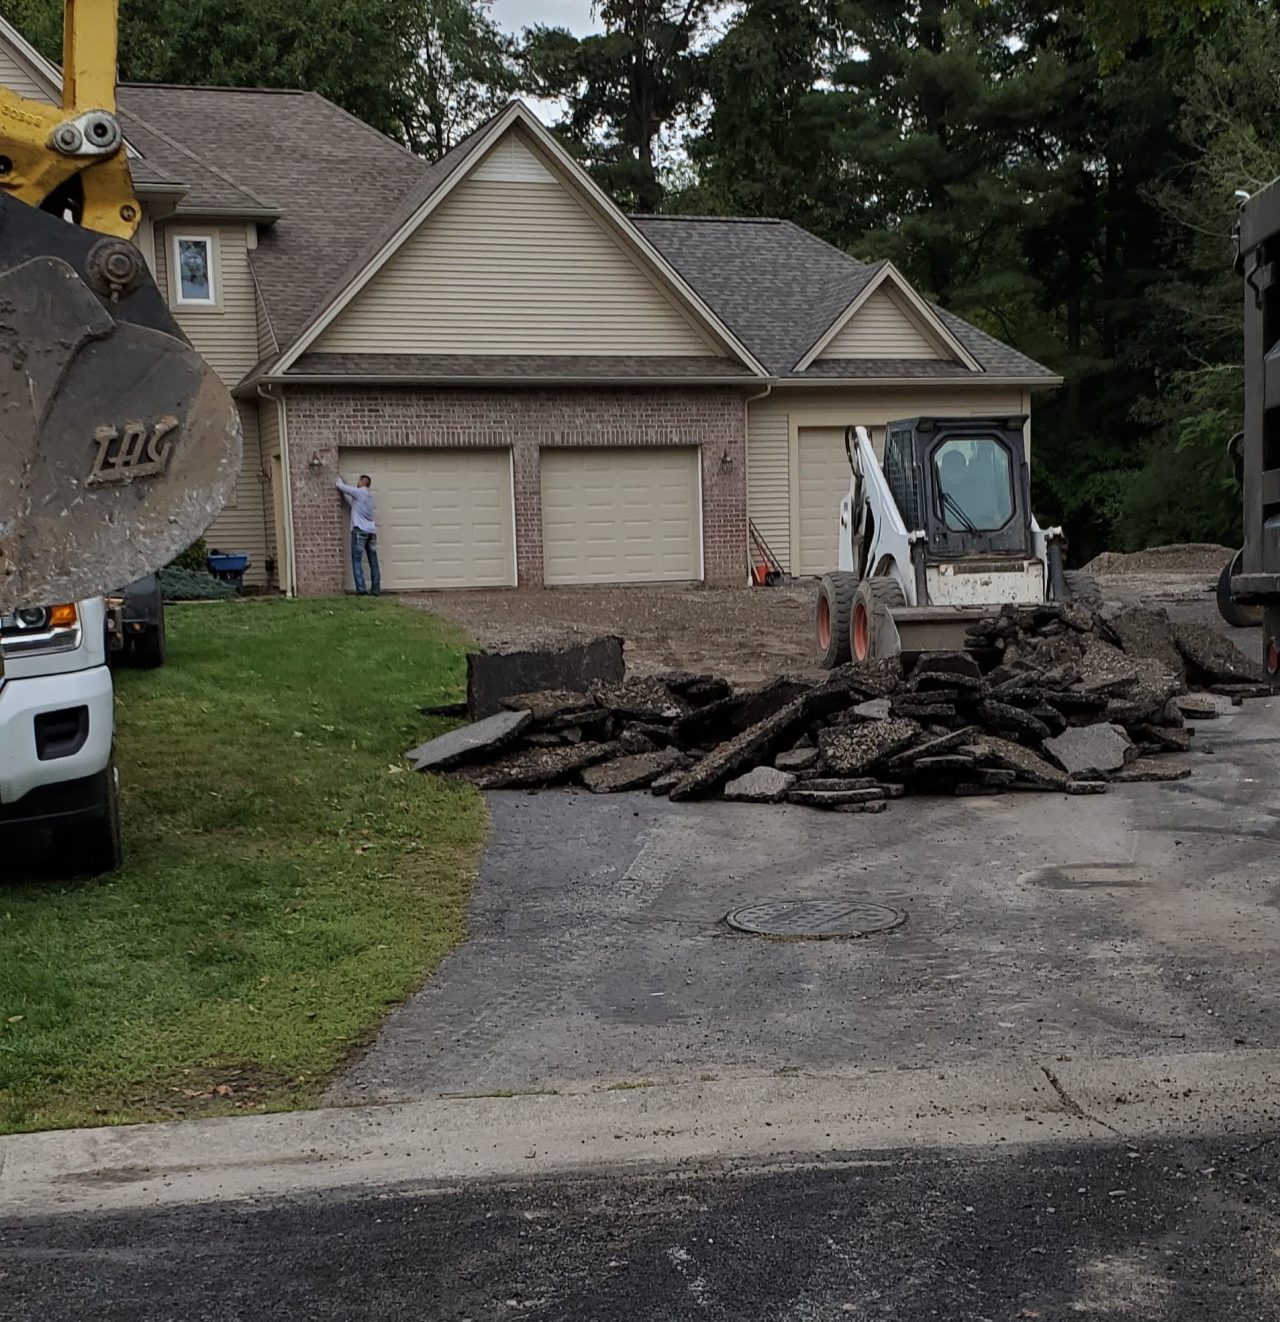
x: 778, y: 287
x: 333, y: 178
x: 637, y: 367
x: 162, y: 160
x: 342, y: 190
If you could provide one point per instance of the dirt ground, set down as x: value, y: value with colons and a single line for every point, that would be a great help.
x: 745, y: 634
x: 1180, y: 578
x: 749, y: 634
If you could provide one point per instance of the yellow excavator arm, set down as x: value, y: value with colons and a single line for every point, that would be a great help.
x: 118, y: 443
x: 47, y: 148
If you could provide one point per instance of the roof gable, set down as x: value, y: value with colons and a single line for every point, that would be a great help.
x: 887, y: 320
x: 883, y: 328
x: 512, y: 262
x: 521, y: 162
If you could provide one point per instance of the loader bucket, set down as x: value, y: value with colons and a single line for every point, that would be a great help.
x: 118, y: 443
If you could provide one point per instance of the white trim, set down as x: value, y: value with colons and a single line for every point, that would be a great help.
x: 698, y: 452
x: 889, y: 272
x: 518, y: 112
x: 515, y: 531
x: 210, y: 240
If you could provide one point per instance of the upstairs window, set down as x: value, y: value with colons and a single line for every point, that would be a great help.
x: 195, y: 274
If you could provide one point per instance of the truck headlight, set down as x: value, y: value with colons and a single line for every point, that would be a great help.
x: 32, y: 617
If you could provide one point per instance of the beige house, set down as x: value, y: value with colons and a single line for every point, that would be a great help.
x: 544, y: 390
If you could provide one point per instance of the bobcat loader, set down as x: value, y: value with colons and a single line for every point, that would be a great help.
x: 939, y: 537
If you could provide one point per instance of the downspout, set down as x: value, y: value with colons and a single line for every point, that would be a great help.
x: 276, y: 396
x: 746, y: 461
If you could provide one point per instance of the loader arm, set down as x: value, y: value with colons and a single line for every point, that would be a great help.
x: 874, y: 539
x: 118, y: 443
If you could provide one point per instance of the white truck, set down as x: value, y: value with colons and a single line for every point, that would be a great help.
x: 57, y: 724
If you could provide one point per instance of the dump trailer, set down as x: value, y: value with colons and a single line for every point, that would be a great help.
x: 1255, y: 578
x: 935, y: 538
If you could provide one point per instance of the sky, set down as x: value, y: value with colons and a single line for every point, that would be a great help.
x: 512, y: 15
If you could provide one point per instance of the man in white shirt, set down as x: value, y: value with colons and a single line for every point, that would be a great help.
x: 364, y: 533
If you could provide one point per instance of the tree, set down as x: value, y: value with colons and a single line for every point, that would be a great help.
x: 766, y: 148
x: 422, y: 70
x: 1185, y: 489
x: 464, y: 71
x: 625, y: 87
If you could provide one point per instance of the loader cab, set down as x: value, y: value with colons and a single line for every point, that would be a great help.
x: 963, y: 482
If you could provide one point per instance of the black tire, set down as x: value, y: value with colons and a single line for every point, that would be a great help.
x: 872, y: 593
x: 1081, y: 586
x: 99, y: 844
x: 831, y: 618
x: 1238, y: 617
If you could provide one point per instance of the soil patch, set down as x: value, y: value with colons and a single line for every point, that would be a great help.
x: 745, y: 634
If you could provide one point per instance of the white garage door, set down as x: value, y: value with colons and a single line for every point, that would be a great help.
x: 823, y: 470
x: 621, y: 516
x: 445, y: 517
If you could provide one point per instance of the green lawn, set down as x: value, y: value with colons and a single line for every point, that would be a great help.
x: 287, y: 880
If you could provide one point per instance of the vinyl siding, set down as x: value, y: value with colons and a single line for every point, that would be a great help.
x: 226, y: 336
x: 514, y: 265
x: 269, y: 428
x: 242, y: 525
x: 17, y: 77
x: 266, y: 336
x: 882, y: 328
x: 768, y: 478
x: 774, y: 424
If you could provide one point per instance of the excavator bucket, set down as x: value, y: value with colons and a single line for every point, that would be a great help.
x: 118, y: 443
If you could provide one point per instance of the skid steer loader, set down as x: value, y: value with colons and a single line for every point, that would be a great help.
x: 939, y: 537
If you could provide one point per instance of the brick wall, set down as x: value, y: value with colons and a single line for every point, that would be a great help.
x: 323, y: 419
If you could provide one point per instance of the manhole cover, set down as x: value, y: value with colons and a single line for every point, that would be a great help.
x: 815, y: 920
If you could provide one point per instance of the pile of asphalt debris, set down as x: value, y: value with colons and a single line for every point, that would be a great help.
x: 1063, y: 698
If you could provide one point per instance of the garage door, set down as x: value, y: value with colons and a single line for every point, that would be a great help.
x: 823, y: 471
x: 444, y: 516
x: 621, y: 516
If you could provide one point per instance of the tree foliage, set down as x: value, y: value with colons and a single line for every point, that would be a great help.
x: 425, y: 71
x: 624, y: 87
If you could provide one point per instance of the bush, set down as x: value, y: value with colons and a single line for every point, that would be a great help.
x: 179, y: 584
x: 194, y: 558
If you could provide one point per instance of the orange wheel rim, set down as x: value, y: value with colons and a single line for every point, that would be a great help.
x: 861, y: 632
x: 824, y: 623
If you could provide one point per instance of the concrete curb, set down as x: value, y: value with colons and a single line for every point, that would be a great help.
x: 774, y: 1120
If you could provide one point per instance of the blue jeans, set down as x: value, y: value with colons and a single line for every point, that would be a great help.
x: 362, y: 544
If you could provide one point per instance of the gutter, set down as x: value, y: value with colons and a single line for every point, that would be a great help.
x: 746, y: 461
x: 265, y: 215
x: 531, y: 382
x: 537, y: 382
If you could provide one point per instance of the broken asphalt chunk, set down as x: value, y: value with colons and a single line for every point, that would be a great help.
x: 763, y: 785
x: 850, y: 749
x: 638, y: 771
x: 469, y: 743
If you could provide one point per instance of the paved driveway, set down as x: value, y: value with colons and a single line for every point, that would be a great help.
x: 1039, y: 927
